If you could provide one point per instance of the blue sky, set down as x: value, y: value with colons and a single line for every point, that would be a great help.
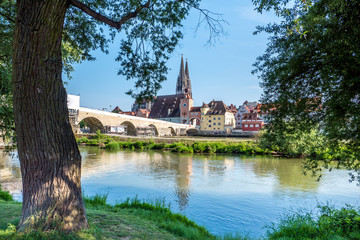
x: 220, y: 72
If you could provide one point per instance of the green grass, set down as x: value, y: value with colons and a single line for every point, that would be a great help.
x: 327, y: 222
x: 131, y: 219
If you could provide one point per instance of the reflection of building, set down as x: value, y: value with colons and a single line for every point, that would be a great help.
x: 178, y: 107
x: 216, y: 117
x: 184, y: 171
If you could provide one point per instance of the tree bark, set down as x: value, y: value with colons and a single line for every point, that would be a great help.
x: 49, y: 157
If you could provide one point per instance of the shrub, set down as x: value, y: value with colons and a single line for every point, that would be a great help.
x: 82, y: 140
x: 138, y: 145
x: 6, y: 196
x: 93, y: 142
x: 112, y: 146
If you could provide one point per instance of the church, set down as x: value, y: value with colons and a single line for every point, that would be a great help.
x: 178, y: 107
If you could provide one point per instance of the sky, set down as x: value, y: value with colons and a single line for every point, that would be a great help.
x: 221, y: 71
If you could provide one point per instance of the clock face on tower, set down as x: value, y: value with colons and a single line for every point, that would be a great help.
x: 184, y: 105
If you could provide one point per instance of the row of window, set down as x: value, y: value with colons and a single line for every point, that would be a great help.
x: 214, y: 124
x: 251, y: 125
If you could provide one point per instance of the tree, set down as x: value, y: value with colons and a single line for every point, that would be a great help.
x: 47, y: 32
x: 311, y: 77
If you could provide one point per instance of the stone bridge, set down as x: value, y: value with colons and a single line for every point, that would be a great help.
x: 106, y: 122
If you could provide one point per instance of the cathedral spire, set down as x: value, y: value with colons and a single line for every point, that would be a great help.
x: 183, y: 84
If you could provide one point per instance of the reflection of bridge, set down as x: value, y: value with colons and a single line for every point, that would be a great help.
x: 100, y: 120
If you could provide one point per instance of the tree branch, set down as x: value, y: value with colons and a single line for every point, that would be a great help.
x: 7, y: 17
x: 116, y: 24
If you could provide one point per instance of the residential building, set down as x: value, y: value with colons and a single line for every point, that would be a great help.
x: 239, y: 116
x: 252, y: 122
x: 216, y: 117
x: 142, y: 113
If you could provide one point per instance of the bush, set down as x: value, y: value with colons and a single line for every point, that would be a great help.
x: 93, y: 142
x: 6, y: 196
x: 82, y: 140
x: 182, y: 149
x: 328, y: 223
x: 112, y: 146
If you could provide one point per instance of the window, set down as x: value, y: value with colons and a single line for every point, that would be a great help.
x: 209, y: 120
x: 192, y: 114
x: 184, y: 105
x: 218, y: 128
x: 219, y: 123
x: 246, y: 125
x: 214, y: 118
x: 251, y: 125
x: 218, y: 118
x: 202, y: 118
x: 209, y: 126
x: 256, y: 125
x: 214, y: 123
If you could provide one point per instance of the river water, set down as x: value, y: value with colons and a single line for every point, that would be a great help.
x: 224, y: 193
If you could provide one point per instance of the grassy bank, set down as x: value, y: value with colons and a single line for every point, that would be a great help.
x: 114, y: 143
x: 131, y: 219
x: 136, y: 219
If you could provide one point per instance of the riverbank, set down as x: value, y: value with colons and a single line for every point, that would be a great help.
x: 135, y: 219
x: 132, y: 219
x: 174, y: 145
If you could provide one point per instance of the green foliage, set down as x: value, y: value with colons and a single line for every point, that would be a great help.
x: 310, y: 77
x: 93, y: 142
x: 328, y: 223
x: 244, y: 147
x: 112, y: 146
x: 82, y: 140
x: 5, y: 195
x: 96, y: 200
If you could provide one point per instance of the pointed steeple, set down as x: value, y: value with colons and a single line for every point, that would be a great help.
x: 181, y: 77
x: 187, y: 70
x: 183, y: 84
x: 188, y: 84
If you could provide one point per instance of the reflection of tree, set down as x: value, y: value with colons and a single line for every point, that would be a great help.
x: 287, y: 171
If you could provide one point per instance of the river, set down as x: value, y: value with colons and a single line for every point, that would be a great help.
x: 224, y: 193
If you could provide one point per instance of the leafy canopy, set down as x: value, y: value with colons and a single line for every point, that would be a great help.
x: 311, y: 77
x: 149, y: 32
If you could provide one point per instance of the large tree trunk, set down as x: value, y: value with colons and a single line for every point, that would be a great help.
x: 49, y: 157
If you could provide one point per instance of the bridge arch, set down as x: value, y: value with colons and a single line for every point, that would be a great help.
x: 156, y: 131
x: 130, y: 128
x: 192, y: 132
x: 94, y: 124
x: 194, y: 121
x: 172, y: 131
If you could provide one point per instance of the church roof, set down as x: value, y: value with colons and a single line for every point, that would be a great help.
x: 166, y: 106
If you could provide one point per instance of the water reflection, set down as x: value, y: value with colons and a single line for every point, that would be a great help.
x: 226, y: 193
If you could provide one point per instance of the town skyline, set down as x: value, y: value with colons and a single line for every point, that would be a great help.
x: 220, y: 72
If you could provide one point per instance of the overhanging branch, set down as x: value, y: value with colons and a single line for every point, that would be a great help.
x: 7, y: 17
x: 116, y: 24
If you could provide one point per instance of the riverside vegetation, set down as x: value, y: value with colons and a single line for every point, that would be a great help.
x: 138, y: 219
x: 114, y: 143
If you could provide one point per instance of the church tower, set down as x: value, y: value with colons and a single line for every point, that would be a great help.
x: 183, y: 85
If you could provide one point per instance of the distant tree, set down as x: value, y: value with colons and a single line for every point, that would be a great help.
x: 311, y: 77
x: 48, y: 36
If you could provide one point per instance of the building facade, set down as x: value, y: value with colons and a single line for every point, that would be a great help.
x: 216, y: 117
